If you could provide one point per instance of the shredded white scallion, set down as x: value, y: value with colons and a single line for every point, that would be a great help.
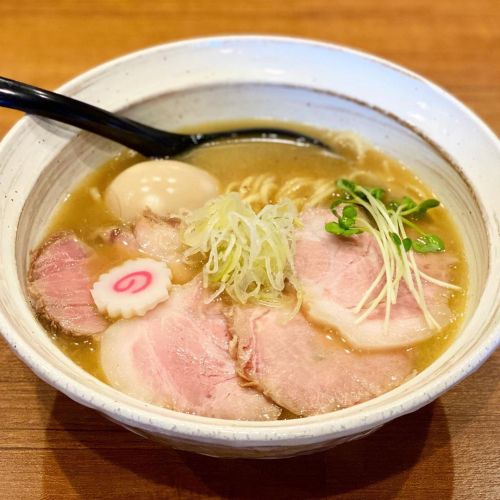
x: 249, y: 255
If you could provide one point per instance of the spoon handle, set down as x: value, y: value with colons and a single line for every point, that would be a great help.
x: 146, y: 140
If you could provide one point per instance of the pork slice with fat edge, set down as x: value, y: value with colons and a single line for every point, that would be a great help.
x: 59, y: 283
x: 306, y: 370
x: 335, y: 272
x: 177, y: 356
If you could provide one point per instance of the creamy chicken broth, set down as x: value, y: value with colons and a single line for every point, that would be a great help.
x: 85, y: 213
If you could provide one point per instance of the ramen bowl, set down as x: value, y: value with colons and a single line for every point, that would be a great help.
x: 190, y: 83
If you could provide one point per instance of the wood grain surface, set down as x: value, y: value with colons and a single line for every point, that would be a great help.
x: 50, y: 447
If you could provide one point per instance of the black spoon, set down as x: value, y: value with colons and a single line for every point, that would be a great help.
x: 146, y: 140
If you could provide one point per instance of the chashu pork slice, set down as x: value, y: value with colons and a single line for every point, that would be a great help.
x: 335, y: 272
x: 156, y: 236
x: 177, y: 356
x: 306, y: 370
x: 160, y: 237
x: 59, y: 283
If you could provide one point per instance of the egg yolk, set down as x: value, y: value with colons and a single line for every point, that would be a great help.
x: 163, y: 186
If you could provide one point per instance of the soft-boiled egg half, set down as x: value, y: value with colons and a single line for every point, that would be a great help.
x: 163, y: 186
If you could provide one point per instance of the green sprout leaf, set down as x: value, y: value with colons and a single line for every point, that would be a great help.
x: 346, y: 222
x: 353, y: 190
x: 420, y: 210
x: 407, y: 244
x: 407, y: 203
x: 428, y: 243
x: 334, y: 228
x: 349, y: 211
x: 397, y: 240
x: 336, y: 203
x: 344, y: 226
x: 337, y: 229
x: 346, y: 185
x: 348, y: 218
x: 393, y: 205
x: 377, y: 193
x: 425, y: 205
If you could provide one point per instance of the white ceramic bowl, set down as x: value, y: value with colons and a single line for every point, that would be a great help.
x: 191, y: 82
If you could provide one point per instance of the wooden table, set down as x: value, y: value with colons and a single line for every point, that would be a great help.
x: 50, y: 447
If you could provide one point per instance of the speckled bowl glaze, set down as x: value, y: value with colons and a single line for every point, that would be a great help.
x: 196, y: 81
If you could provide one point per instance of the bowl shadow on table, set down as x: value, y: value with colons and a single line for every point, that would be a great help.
x: 99, y: 458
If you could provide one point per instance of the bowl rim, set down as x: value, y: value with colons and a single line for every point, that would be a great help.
x: 318, y: 427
